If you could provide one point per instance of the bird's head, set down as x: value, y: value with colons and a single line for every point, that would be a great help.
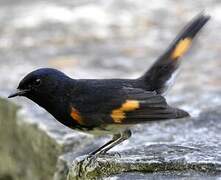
x: 40, y: 83
x: 49, y: 88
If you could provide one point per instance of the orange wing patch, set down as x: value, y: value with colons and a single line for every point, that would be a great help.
x: 119, y: 114
x: 76, y: 115
x: 181, y: 48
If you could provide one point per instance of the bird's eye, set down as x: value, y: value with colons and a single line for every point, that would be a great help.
x: 37, y: 82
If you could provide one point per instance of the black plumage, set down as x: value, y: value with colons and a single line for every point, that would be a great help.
x: 111, y: 106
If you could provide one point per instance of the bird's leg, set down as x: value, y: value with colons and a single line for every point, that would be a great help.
x: 123, y: 136
x: 114, y: 138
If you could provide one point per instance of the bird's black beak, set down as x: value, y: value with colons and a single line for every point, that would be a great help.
x: 19, y: 93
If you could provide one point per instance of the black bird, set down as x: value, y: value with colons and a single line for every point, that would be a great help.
x: 111, y: 106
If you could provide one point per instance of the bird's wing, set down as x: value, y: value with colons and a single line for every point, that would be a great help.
x: 136, y: 106
x: 128, y: 106
x: 164, y: 67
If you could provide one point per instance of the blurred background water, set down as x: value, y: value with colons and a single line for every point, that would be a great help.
x: 95, y: 39
x: 113, y: 39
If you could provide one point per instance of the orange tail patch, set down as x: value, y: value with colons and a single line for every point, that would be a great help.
x: 181, y: 48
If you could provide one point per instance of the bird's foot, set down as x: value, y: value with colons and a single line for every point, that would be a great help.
x: 107, y: 154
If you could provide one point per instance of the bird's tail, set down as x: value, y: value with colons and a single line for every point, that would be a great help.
x: 162, y: 70
x: 180, y: 113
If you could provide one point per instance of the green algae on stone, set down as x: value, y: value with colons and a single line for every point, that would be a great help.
x: 26, y: 152
x: 158, y: 158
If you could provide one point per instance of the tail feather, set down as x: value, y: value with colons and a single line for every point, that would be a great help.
x: 181, y: 113
x: 164, y: 67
